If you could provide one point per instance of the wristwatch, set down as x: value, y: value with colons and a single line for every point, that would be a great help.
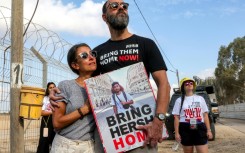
x: 161, y: 116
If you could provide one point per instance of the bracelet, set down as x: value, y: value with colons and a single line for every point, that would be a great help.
x: 209, y: 130
x: 80, y: 112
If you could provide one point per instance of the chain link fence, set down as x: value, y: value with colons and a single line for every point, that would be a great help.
x: 43, y: 61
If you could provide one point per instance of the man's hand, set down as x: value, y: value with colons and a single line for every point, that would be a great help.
x: 153, y: 132
x: 53, y: 98
x: 123, y: 102
x: 127, y: 102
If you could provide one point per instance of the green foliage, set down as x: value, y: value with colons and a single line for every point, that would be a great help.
x: 230, y: 72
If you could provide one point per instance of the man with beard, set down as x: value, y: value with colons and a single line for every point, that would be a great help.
x: 125, y: 48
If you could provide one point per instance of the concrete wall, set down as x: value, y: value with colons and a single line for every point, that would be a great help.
x: 236, y: 111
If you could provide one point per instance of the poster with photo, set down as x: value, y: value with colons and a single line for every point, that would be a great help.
x: 121, y: 100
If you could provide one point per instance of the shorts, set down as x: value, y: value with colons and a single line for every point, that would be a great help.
x: 193, y: 137
x: 64, y: 145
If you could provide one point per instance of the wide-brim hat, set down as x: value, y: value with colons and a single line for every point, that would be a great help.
x: 182, y: 81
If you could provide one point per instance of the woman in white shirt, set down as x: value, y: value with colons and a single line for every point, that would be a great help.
x: 46, y: 130
x: 191, y: 120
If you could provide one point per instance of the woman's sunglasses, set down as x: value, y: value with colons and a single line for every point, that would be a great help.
x: 85, y: 55
x: 115, y: 5
x: 188, y: 83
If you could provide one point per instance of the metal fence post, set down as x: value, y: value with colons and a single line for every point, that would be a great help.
x: 45, y: 66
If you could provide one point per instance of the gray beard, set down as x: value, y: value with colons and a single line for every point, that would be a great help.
x: 118, y: 22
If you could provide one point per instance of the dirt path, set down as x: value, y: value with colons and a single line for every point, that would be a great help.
x: 228, y: 140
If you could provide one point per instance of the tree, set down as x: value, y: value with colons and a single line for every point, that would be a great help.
x: 230, y: 72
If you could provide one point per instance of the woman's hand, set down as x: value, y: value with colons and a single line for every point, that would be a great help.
x: 177, y: 137
x: 209, y: 134
x: 86, y: 108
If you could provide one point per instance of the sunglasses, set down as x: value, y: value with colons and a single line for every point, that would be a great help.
x: 188, y: 83
x: 85, y: 55
x: 115, y: 5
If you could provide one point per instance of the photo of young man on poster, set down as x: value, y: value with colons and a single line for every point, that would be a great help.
x: 120, y: 100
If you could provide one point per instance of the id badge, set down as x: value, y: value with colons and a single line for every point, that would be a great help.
x: 45, y: 132
x: 193, y: 124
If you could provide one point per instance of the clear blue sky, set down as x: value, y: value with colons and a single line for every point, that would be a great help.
x: 190, y: 32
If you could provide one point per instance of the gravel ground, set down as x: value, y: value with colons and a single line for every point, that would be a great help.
x: 228, y: 140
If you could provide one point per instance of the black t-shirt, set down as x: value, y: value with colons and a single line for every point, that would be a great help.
x: 113, y: 55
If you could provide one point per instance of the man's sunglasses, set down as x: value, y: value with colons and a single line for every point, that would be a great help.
x: 85, y: 55
x: 115, y: 5
x: 188, y: 83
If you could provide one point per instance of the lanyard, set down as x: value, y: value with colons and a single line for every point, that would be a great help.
x: 46, y: 122
x: 192, y: 111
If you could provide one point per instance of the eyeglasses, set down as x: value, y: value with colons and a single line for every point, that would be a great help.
x: 85, y: 55
x: 115, y: 5
x: 188, y: 83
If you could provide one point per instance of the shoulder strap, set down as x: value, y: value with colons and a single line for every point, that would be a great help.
x: 113, y: 97
x: 125, y: 96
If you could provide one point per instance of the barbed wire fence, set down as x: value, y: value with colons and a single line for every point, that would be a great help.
x: 38, y: 42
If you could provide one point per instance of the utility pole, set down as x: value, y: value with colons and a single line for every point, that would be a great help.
x: 177, y: 73
x: 16, y: 123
